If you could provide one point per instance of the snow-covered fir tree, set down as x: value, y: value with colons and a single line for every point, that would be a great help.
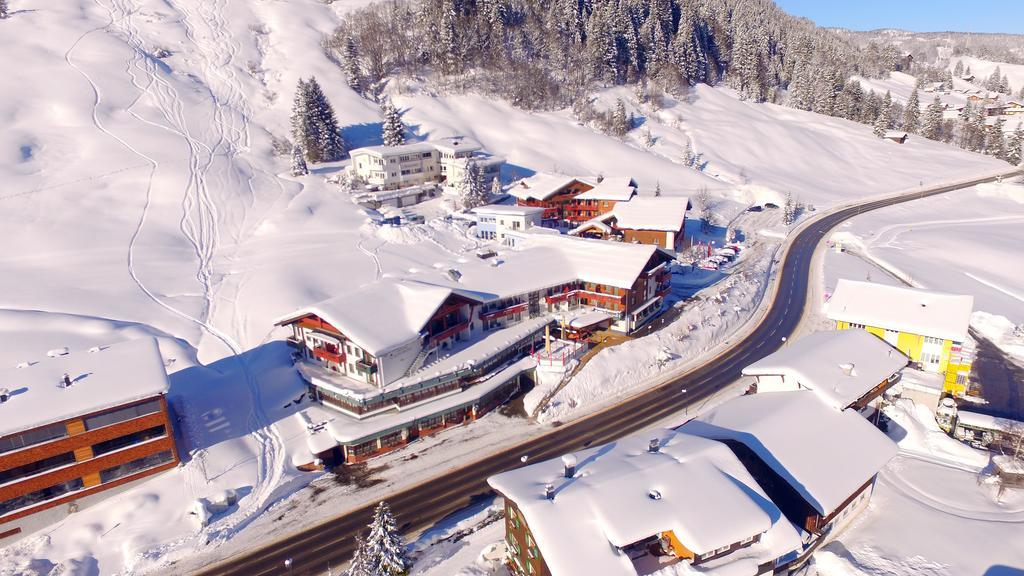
x: 657, y: 188
x: 362, y: 563
x: 958, y: 69
x: 350, y: 60
x: 385, y: 552
x: 884, y: 121
x: 788, y: 209
x: 996, y: 140
x: 688, y: 157
x: 314, y: 127
x: 496, y: 187
x: 5, y: 10
x: 1015, y: 147
x: 932, y: 126
x: 392, y: 130
x: 912, y: 113
x: 299, y: 167
x: 472, y: 189
x: 620, y: 121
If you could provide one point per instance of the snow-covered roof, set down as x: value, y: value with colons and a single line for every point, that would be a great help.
x: 611, y: 263
x: 102, y: 377
x: 823, y: 453
x: 588, y: 319
x: 985, y: 421
x: 895, y: 134
x: 505, y: 209
x: 841, y: 366
x: 456, y: 144
x: 619, y: 188
x: 540, y: 186
x: 378, y: 316
x: 410, y: 148
x: 597, y: 223
x: 621, y: 493
x: 910, y: 310
x: 666, y: 213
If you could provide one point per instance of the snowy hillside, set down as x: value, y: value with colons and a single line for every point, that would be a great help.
x: 141, y: 196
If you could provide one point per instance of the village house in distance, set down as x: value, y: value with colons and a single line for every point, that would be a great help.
x: 411, y: 173
x: 741, y: 490
x: 399, y: 358
x: 931, y: 328
x: 76, y: 425
x: 656, y: 220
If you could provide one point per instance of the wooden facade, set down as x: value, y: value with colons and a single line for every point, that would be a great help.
x: 88, y: 461
x: 558, y: 206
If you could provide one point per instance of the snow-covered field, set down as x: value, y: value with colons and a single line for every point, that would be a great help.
x: 141, y: 196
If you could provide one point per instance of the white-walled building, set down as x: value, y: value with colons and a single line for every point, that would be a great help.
x: 442, y: 161
x: 499, y: 222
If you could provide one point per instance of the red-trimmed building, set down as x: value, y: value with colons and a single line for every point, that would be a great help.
x: 77, y: 424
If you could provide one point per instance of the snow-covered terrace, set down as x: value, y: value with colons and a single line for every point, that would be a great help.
x: 102, y: 377
x: 622, y: 493
x: 841, y: 366
x: 909, y: 310
x: 825, y: 454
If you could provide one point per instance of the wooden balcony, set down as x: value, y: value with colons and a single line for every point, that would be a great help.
x: 449, y: 332
x: 328, y: 356
x: 515, y: 309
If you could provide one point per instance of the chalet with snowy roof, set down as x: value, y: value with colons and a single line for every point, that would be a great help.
x: 397, y: 357
x: 1013, y: 108
x: 411, y: 171
x: 74, y: 425
x: 816, y: 463
x: 846, y: 368
x: 931, y: 328
x: 659, y: 221
x: 643, y: 503
x: 896, y: 136
x: 569, y: 200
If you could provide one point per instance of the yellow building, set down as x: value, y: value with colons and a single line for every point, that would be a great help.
x: 929, y: 327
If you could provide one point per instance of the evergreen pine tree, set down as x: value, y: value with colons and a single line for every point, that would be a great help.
x: 496, y: 187
x: 688, y: 157
x: 967, y: 71
x: 912, y: 113
x: 353, y: 74
x: 330, y: 146
x: 958, y: 69
x: 5, y: 10
x: 385, y: 551
x: 932, y: 127
x: 1015, y: 146
x: 657, y: 188
x: 789, y: 210
x: 361, y: 564
x: 298, y: 162
x: 995, y: 80
x: 980, y: 143
x: 392, y: 130
x: 472, y: 189
x: 620, y: 121
x: 996, y: 140
x: 1021, y: 93
x: 304, y: 130
x: 884, y: 121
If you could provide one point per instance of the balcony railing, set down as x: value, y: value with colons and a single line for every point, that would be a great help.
x: 515, y: 309
x: 450, y: 331
x: 367, y: 367
x: 327, y: 355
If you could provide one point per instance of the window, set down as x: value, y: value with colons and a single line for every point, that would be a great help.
x: 121, y: 415
x: 40, y: 496
x: 32, y: 437
x: 37, y: 467
x: 129, y: 468
x: 122, y: 441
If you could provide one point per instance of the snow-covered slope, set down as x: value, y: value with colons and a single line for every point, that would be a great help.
x: 982, y: 69
x: 140, y: 195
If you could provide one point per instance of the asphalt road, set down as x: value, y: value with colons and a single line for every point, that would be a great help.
x: 331, y: 544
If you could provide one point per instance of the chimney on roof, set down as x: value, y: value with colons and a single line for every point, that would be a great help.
x: 654, y: 446
x: 569, y: 460
x: 549, y: 491
x: 66, y: 381
x: 5, y: 395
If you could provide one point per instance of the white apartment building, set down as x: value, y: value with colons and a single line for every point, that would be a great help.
x: 500, y: 222
x: 441, y: 161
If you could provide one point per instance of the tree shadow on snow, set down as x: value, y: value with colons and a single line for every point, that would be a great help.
x: 215, y: 403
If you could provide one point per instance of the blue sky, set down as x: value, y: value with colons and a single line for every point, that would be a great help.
x: 916, y: 15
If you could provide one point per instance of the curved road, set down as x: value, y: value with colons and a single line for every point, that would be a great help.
x: 315, y: 549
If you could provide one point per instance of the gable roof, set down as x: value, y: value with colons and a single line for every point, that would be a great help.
x: 103, y: 377
x: 607, y: 503
x: 379, y: 316
x: 840, y: 366
x: 619, y: 188
x: 823, y: 453
x: 911, y: 310
x: 541, y: 186
x: 664, y: 213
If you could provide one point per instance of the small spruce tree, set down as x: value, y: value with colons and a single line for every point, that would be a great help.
x: 472, y: 190
x: 5, y: 10
x: 353, y: 73
x: 496, y: 187
x: 1014, y: 152
x: 620, y: 121
x: 657, y: 188
x: 361, y: 563
x: 932, y: 126
x: 884, y: 121
x: 789, y: 210
x: 385, y: 552
x: 912, y: 113
x: 298, y: 162
x: 392, y: 130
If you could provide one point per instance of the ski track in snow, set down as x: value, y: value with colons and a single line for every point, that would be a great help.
x: 200, y: 216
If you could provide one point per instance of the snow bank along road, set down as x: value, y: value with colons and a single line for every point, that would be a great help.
x: 330, y: 544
